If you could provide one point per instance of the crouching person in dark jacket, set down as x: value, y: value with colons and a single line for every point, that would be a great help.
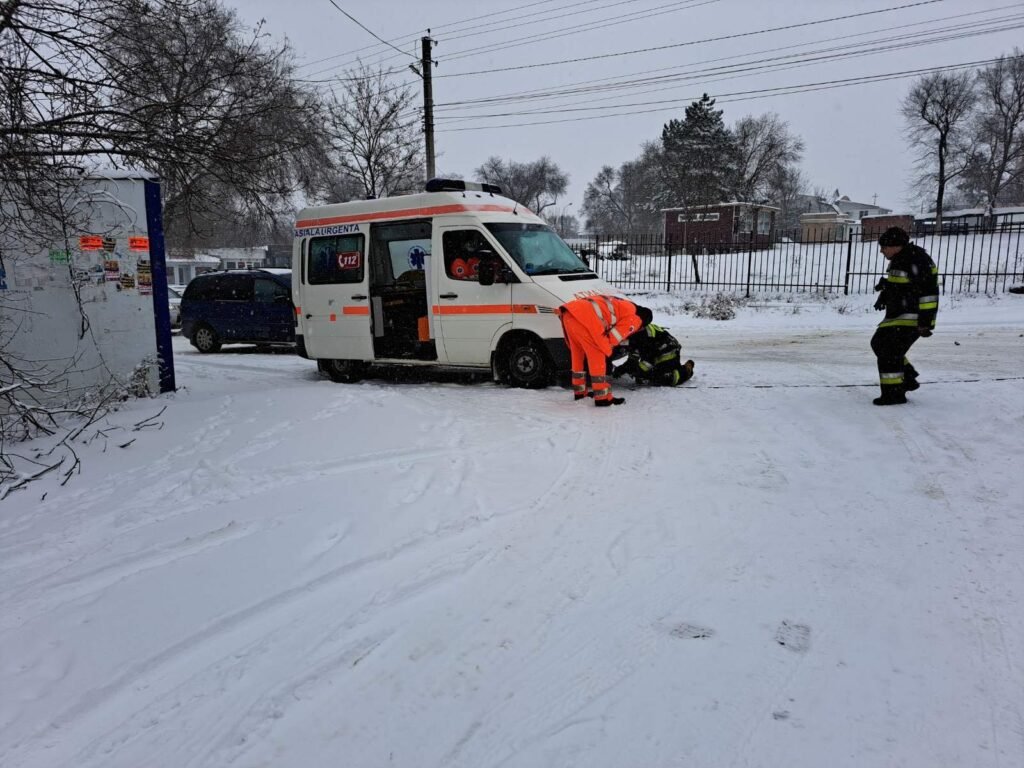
x: 654, y: 358
x: 910, y: 298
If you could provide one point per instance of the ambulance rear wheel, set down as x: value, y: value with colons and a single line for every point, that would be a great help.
x: 527, y: 365
x: 344, y: 371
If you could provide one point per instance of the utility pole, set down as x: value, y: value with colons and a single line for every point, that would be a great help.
x: 428, y: 102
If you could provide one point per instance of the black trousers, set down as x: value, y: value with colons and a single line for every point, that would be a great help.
x: 890, y: 346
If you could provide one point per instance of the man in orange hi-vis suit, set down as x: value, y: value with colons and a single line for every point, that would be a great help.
x: 593, y: 327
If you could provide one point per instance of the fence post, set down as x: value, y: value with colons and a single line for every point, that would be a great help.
x: 750, y: 258
x: 849, y: 258
x: 668, y: 278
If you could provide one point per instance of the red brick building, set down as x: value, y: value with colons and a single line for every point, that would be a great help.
x: 722, y: 228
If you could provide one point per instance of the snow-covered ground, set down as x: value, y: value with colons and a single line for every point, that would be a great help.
x: 443, y: 572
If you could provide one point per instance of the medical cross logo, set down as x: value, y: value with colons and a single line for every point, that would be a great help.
x: 417, y: 257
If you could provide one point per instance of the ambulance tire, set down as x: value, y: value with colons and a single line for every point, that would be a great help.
x: 525, y: 364
x: 343, y: 371
x: 205, y: 340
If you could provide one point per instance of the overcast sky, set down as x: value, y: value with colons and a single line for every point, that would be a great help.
x: 853, y: 134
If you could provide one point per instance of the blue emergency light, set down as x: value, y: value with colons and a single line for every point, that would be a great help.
x: 458, y: 185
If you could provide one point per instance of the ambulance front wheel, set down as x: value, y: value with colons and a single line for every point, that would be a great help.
x: 526, y: 365
x: 343, y: 371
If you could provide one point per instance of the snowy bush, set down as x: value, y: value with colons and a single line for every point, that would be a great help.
x: 719, y: 307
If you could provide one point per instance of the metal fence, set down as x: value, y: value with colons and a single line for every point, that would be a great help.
x: 978, y: 260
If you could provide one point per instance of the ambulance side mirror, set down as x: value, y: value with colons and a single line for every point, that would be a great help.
x: 488, y: 269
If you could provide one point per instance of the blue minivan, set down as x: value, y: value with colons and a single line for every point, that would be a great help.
x: 239, y: 307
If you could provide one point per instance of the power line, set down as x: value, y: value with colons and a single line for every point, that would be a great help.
x: 779, y: 63
x: 586, y: 27
x: 696, y: 42
x: 439, y: 26
x: 754, y: 94
x: 617, y: 82
x: 361, y: 25
x: 491, y: 28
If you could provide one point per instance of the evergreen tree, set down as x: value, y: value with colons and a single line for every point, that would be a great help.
x: 700, y: 157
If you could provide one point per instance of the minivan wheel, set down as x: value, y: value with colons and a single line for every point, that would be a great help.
x: 205, y: 340
x: 527, y: 365
x: 344, y: 371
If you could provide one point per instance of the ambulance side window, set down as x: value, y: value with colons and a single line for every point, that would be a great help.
x: 336, y: 260
x: 462, y: 251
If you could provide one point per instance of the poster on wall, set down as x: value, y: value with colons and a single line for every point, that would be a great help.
x: 145, y: 278
x: 111, y: 270
x: 138, y: 243
x: 127, y: 282
x: 109, y: 244
x: 90, y: 243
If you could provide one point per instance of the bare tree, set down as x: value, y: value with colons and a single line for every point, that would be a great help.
x: 623, y: 200
x: 374, y: 144
x: 177, y: 87
x: 536, y: 184
x: 937, y: 111
x: 764, y: 147
x: 787, y: 184
x: 997, y: 164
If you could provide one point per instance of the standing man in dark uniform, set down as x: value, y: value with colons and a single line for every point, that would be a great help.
x: 910, y: 298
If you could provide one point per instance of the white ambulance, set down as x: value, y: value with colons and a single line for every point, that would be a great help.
x: 456, y: 276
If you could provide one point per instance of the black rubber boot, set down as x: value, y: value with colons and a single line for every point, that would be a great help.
x: 609, y: 403
x: 891, y: 399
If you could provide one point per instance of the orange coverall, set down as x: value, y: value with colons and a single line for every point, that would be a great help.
x: 593, y: 327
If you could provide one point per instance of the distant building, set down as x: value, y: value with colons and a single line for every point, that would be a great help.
x: 857, y: 211
x: 822, y: 220
x: 721, y: 227
x: 873, y: 226
x: 967, y: 219
x: 181, y: 268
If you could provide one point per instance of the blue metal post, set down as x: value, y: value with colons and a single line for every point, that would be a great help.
x: 158, y: 263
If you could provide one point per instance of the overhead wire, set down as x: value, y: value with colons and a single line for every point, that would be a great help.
x: 750, y: 95
x: 781, y: 63
x: 439, y: 26
x: 719, y: 38
x: 367, y: 29
x: 491, y: 28
x: 629, y: 80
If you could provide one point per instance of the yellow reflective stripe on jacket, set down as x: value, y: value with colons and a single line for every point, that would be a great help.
x: 891, y: 378
x: 665, y: 358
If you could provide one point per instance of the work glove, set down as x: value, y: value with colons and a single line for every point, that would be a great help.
x: 925, y: 332
x: 880, y: 304
x: 619, y: 356
x: 880, y: 285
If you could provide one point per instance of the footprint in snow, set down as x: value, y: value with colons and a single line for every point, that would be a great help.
x: 793, y: 637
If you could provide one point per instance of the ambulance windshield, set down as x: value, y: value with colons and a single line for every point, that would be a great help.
x: 537, y: 249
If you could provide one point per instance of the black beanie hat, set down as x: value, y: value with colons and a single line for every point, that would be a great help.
x: 894, y: 236
x: 645, y: 315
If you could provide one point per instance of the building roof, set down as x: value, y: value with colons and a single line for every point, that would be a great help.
x: 734, y: 203
x: 1002, y: 211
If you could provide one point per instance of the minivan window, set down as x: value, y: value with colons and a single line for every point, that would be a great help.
x: 202, y: 289
x: 234, y: 288
x: 268, y: 291
x: 336, y: 260
x: 537, y: 249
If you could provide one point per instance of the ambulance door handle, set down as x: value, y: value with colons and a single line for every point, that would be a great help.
x: 359, y: 297
x: 449, y: 296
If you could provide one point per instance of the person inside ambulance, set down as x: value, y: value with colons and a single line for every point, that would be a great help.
x: 463, y: 253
